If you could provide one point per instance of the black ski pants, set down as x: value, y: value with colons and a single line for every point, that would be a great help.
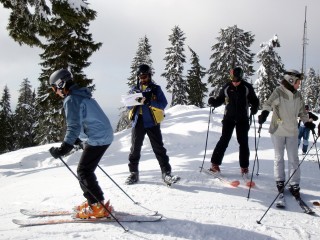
x: 242, y: 129
x: 88, y: 163
x: 137, y: 136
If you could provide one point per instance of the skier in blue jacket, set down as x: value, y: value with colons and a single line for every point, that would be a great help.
x: 87, y: 121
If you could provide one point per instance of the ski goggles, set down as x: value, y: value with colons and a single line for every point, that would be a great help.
x: 59, y: 84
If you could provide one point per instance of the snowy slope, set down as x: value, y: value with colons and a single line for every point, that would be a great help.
x: 199, y: 207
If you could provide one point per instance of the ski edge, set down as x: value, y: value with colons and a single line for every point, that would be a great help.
x: 29, y: 223
x: 58, y: 212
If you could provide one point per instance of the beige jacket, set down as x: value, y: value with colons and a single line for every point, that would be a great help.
x: 287, y: 108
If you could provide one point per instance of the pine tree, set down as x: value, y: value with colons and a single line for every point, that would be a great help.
x: 175, y: 58
x: 142, y: 57
x: 61, y: 30
x: 6, y: 122
x: 317, y: 105
x: 271, y: 70
x: 311, y: 89
x: 26, y: 20
x: 196, y: 89
x: 24, y: 117
x: 49, y: 127
x: 69, y: 46
x: 232, y: 50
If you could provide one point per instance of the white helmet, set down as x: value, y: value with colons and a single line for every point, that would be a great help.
x: 291, y: 76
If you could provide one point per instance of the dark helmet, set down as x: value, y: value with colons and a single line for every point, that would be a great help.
x: 291, y: 76
x: 59, y: 78
x: 236, y: 74
x: 144, y: 69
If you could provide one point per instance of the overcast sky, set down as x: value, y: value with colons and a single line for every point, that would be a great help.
x: 121, y: 23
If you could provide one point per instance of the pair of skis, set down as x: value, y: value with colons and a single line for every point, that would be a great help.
x: 281, y: 203
x: 44, y: 218
x: 233, y: 183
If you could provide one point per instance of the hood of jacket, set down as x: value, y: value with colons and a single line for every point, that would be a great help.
x: 83, y: 92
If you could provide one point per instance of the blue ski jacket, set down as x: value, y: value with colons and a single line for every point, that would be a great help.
x: 85, y: 119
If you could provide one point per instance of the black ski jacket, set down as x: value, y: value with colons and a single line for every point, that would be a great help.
x: 237, y: 100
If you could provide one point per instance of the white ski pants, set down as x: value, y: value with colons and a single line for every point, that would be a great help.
x: 291, y: 145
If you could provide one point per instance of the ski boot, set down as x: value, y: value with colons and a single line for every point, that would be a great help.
x: 215, y: 168
x: 133, y: 178
x: 295, y: 190
x: 280, y: 203
x: 95, y: 210
x: 168, y: 179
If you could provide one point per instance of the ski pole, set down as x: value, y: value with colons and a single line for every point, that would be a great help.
x: 315, y: 141
x: 256, y: 159
x: 286, y: 183
x: 205, y: 148
x: 137, y: 203
x: 83, y: 185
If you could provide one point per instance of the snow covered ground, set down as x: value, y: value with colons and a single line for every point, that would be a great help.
x: 199, y: 207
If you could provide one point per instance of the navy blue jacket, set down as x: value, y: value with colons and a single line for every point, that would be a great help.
x: 155, y: 97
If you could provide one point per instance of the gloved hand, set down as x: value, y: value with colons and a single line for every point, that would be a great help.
x: 141, y: 99
x: 310, y: 125
x: 212, y: 102
x: 263, y: 117
x: 60, y: 151
x: 78, y: 143
x: 253, y: 110
x: 147, y: 97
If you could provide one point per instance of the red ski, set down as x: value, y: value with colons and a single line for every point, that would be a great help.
x: 234, y: 183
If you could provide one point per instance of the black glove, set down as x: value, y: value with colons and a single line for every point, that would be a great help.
x: 263, y: 117
x: 60, y: 151
x: 310, y: 125
x: 139, y: 99
x: 212, y: 101
x: 253, y: 110
x: 147, y: 96
x: 78, y: 143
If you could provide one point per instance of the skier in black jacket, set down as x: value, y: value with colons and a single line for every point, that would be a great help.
x: 237, y: 95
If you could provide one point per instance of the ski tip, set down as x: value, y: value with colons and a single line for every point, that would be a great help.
x: 250, y: 184
x: 16, y: 221
x: 235, y: 183
x: 23, y: 210
x: 316, y: 203
x: 310, y: 212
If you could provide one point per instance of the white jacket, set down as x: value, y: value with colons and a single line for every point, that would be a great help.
x: 287, y: 108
